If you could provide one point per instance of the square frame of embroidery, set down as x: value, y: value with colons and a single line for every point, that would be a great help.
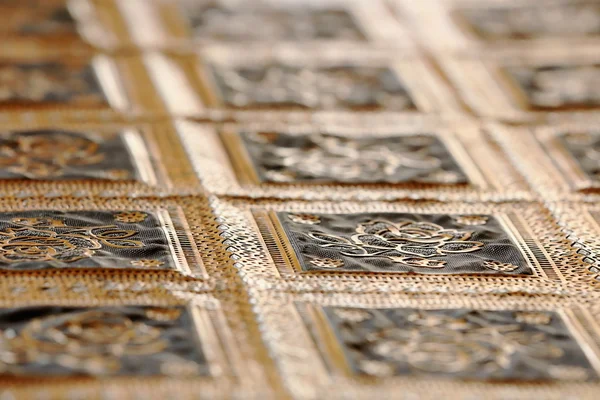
x: 97, y: 24
x: 171, y: 28
x: 324, y: 367
x: 443, y: 25
x: 262, y: 250
x: 225, y: 167
x: 177, y: 236
x: 191, y: 89
x: 491, y: 91
x: 549, y: 162
x: 229, y: 370
x: 157, y: 162
x: 120, y: 82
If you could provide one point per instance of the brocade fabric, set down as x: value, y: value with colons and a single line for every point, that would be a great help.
x: 299, y: 199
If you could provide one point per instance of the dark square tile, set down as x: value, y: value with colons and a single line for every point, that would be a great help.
x: 100, y: 341
x: 53, y: 154
x: 45, y: 239
x: 403, y: 242
x: 322, y: 158
x: 459, y: 343
x: 344, y: 86
x: 48, y: 83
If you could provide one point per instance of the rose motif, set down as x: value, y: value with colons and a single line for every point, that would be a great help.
x: 431, y: 342
x: 33, y: 245
x: 50, y: 240
x: 43, y: 154
x: 406, y: 242
x: 347, y: 160
x: 90, y: 340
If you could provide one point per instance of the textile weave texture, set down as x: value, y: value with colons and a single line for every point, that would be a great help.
x: 299, y: 199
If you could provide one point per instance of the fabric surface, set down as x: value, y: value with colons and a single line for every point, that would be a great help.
x: 299, y: 199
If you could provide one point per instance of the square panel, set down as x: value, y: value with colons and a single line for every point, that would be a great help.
x: 148, y: 341
x: 458, y: 247
x: 458, y: 344
x: 365, y: 160
x: 444, y: 344
x: 264, y: 80
x: 95, y: 236
x: 73, y: 23
x: 472, y: 24
x: 52, y: 81
x: 45, y: 239
x: 129, y: 348
x: 189, y: 22
x: 559, y: 160
x: 402, y: 242
x: 529, y: 84
x: 79, y: 159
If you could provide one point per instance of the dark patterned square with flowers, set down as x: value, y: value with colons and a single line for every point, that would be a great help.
x: 44, y: 239
x: 100, y: 341
x: 403, y: 242
x: 54, y: 154
x: 459, y: 343
x: 327, y: 158
x: 558, y: 87
x: 47, y: 83
x: 279, y: 85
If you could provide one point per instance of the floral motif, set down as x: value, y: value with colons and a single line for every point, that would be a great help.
x: 327, y: 263
x: 131, y: 216
x: 499, y: 266
x: 347, y: 87
x: 97, y: 341
x: 464, y: 343
x: 551, y: 87
x: 49, y: 240
x: 406, y: 242
x: 40, y: 155
x: 147, y: 263
x: 320, y: 157
x: 49, y: 82
x: 471, y: 219
x: 308, y: 219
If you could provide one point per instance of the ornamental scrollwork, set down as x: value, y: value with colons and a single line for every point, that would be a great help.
x: 405, y: 242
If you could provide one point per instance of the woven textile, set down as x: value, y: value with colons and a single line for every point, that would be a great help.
x: 299, y: 199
